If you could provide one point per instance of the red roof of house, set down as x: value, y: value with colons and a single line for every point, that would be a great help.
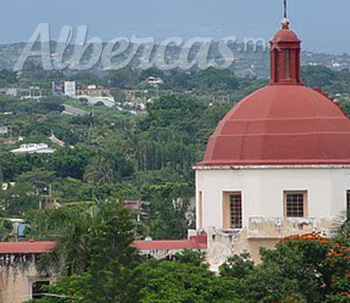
x: 196, y: 242
x: 27, y: 247
x: 38, y: 247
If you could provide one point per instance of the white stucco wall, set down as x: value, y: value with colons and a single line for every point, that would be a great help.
x: 262, y: 191
x: 17, y: 275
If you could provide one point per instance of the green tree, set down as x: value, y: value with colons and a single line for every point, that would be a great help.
x: 41, y: 179
x: 99, y: 171
x: 179, y: 281
x: 125, y: 78
x: 17, y: 200
x: 8, y: 78
x: 237, y: 266
x: 212, y: 79
x: 295, y: 271
x: 318, y: 76
x: 70, y: 227
x: 68, y: 162
x: 93, y: 252
x: 108, y: 167
x: 112, y: 257
x: 6, y: 230
x: 167, y: 209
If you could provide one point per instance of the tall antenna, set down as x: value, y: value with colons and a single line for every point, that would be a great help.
x: 285, y: 9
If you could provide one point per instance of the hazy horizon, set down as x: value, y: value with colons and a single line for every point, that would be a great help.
x: 322, y: 25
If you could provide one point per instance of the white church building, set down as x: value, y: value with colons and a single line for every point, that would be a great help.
x: 278, y: 164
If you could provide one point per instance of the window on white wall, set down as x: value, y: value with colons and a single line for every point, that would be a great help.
x: 236, y: 210
x: 348, y: 203
x: 232, y: 210
x: 295, y: 204
x: 200, y: 210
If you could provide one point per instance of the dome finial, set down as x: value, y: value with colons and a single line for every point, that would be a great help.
x: 285, y: 23
x: 285, y: 16
x: 285, y: 20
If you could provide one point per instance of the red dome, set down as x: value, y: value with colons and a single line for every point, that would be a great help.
x: 285, y: 35
x: 281, y: 125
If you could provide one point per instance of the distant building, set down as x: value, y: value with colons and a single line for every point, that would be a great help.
x: 19, y: 273
x: 134, y: 205
x: 6, y: 186
x: 33, y: 148
x: 155, y: 80
x: 70, y: 88
x: 96, y: 94
x: 4, y: 130
x: 18, y: 227
x: 138, y: 96
x: 57, y: 141
x: 9, y: 92
x: 33, y: 92
x: 49, y: 202
x: 94, y: 91
x: 73, y: 111
x: 20, y: 278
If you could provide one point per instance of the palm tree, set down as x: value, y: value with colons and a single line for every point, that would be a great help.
x: 75, y: 228
x: 69, y: 226
x: 99, y: 171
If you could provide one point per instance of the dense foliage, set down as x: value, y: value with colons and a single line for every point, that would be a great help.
x: 104, y: 268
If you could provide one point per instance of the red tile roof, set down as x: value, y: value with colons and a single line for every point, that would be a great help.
x: 28, y: 247
x: 38, y: 247
x: 198, y: 242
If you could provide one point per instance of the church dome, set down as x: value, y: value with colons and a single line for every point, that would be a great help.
x: 284, y: 123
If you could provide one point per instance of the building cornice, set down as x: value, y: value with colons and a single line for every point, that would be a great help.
x: 245, y: 167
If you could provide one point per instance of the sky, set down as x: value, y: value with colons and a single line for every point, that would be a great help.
x: 322, y: 25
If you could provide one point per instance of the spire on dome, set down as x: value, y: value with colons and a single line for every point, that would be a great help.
x: 285, y: 55
x: 285, y: 20
x: 285, y: 10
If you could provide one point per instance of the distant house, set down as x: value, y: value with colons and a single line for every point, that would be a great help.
x: 73, y: 111
x: 155, y: 80
x: 22, y: 280
x: 6, y: 186
x: 57, y: 141
x: 96, y: 94
x: 49, y: 202
x: 4, y: 130
x: 134, y: 205
x: 18, y: 227
x: 33, y: 148
x: 9, y: 91
x: 94, y: 91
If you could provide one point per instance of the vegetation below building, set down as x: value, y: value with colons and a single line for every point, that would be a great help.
x: 97, y: 265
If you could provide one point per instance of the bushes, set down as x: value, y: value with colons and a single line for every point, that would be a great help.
x: 306, y: 268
